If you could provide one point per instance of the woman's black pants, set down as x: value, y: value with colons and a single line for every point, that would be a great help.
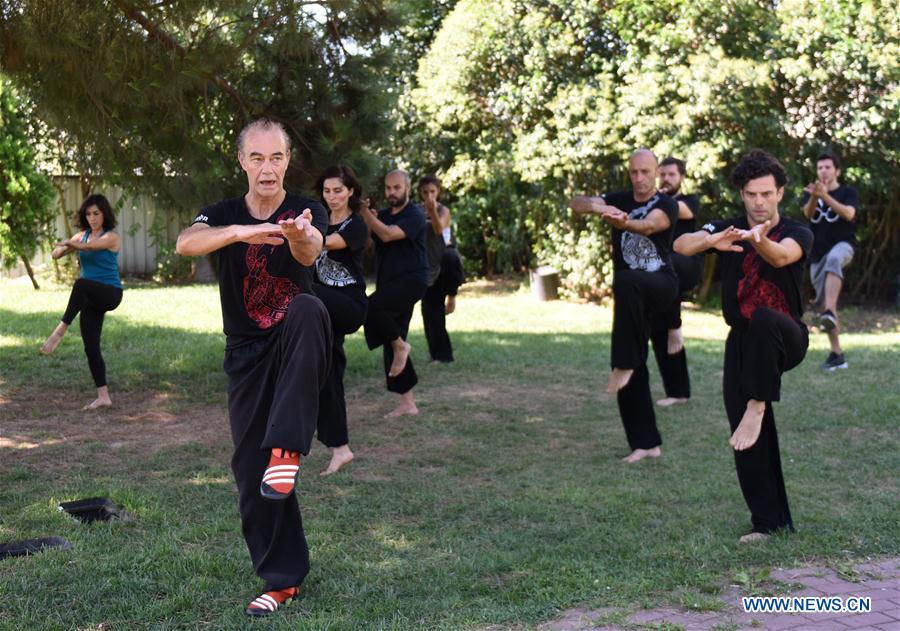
x: 756, y: 355
x: 347, y: 309
x: 390, y: 310
x: 639, y: 297
x: 93, y: 300
x: 273, y: 401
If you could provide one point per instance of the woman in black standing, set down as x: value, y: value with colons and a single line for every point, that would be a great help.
x: 340, y: 285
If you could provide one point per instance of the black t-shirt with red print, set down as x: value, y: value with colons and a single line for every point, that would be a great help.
x: 748, y: 282
x: 258, y: 282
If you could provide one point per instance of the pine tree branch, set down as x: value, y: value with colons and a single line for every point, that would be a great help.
x: 169, y: 43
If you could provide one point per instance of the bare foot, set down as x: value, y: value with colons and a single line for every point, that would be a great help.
x: 747, y: 432
x: 451, y: 305
x: 640, y: 454
x: 401, y: 354
x: 664, y: 403
x: 675, y: 342
x: 339, y: 457
x: 618, y: 379
x: 97, y: 403
x: 54, y: 339
x: 753, y: 536
x: 407, y: 406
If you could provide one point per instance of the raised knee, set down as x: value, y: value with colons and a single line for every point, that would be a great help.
x: 306, y: 306
x: 763, y: 319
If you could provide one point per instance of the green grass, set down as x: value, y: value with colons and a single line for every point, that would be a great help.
x: 503, y: 503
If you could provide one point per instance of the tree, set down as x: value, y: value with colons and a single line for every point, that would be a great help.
x: 26, y: 194
x: 154, y: 92
x: 550, y: 96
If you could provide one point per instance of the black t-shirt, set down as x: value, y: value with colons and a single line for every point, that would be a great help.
x: 434, y: 247
x: 748, y: 282
x: 685, y: 226
x: 828, y: 227
x: 344, y: 268
x: 403, y: 256
x: 635, y: 251
x: 258, y: 282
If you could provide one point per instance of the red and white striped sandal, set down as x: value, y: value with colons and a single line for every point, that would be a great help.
x: 280, y: 475
x: 269, y: 602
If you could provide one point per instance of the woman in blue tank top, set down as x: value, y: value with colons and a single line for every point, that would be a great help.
x: 97, y: 291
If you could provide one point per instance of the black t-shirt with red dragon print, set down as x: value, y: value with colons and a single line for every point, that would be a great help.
x: 748, y: 282
x: 258, y: 282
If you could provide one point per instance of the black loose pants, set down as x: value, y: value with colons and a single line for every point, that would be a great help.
x: 756, y: 355
x: 639, y: 297
x: 273, y: 401
x: 346, y: 308
x: 673, y: 368
x: 93, y: 300
x: 434, y: 314
x: 390, y: 310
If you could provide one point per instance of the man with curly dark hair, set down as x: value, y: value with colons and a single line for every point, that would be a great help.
x: 761, y: 256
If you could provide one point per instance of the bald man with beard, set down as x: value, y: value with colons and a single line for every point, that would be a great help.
x: 644, y: 284
x: 398, y: 232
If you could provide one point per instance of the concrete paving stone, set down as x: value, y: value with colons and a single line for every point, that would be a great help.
x: 778, y: 622
x: 890, y: 613
x: 827, y: 625
x: 643, y: 617
x: 855, y: 621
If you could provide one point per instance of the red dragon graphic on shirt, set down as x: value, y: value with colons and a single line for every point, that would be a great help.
x: 266, y: 297
x: 753, y: 290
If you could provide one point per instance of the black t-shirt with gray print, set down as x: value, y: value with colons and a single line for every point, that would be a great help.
x: 635, y: 251
x: 828, y: 227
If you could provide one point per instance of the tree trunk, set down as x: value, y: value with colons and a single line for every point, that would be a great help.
x: 30, y: 272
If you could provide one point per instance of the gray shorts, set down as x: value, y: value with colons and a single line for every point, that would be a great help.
x: 834, y: 262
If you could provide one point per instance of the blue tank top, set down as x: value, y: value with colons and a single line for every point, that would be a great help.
x: 101, y: 266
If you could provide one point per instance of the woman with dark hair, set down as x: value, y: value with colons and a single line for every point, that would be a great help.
x: 445, y: 273
x: 97, y: 291
x: 340, y: 285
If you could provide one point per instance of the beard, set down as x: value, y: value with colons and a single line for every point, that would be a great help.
x: 397, y: 202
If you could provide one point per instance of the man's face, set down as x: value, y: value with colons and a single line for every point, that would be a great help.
x: 642, y: 170
x: 265, y: 159
x: 761, y: 197
x: 429, y: 193
x: 669, y: 179
x: 396, y: 190
x: 826, y: 172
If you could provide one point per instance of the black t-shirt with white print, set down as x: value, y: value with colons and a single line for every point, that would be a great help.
x: 748, y: 282
x: 636, y: 251
x: 828, y: 227
x: 344, y: 267
x: 257, y: 282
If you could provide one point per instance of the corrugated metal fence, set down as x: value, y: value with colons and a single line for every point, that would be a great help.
x: 136, y: 216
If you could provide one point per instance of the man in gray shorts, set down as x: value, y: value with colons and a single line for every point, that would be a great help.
x: 831, y: 210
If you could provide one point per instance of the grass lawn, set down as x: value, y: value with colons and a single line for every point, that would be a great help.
x: 501, y: 504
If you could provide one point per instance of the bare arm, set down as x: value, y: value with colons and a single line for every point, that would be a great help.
x: 846, y: 212
x: 384, y: 232
x: 655, y: 221
x: 695, y: 242
x: 304, y: 239
x: 107, y: 241
x: 335, y: 242
x: 775, y: 253
x: 684, y: 211
x: 439, y: 217
x: 583, y: 204
x: 201, y: 239
x: 61, y: 248
x: 810, y: 207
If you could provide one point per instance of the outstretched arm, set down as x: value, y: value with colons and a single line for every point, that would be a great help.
x: 588, y: 205
x: 107, y: 241
x: 656, y: 221
x: 201, y: 239
x: 775, y: 253
x: 701, y: 241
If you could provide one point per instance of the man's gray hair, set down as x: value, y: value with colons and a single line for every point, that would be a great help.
x: 263, y: 124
